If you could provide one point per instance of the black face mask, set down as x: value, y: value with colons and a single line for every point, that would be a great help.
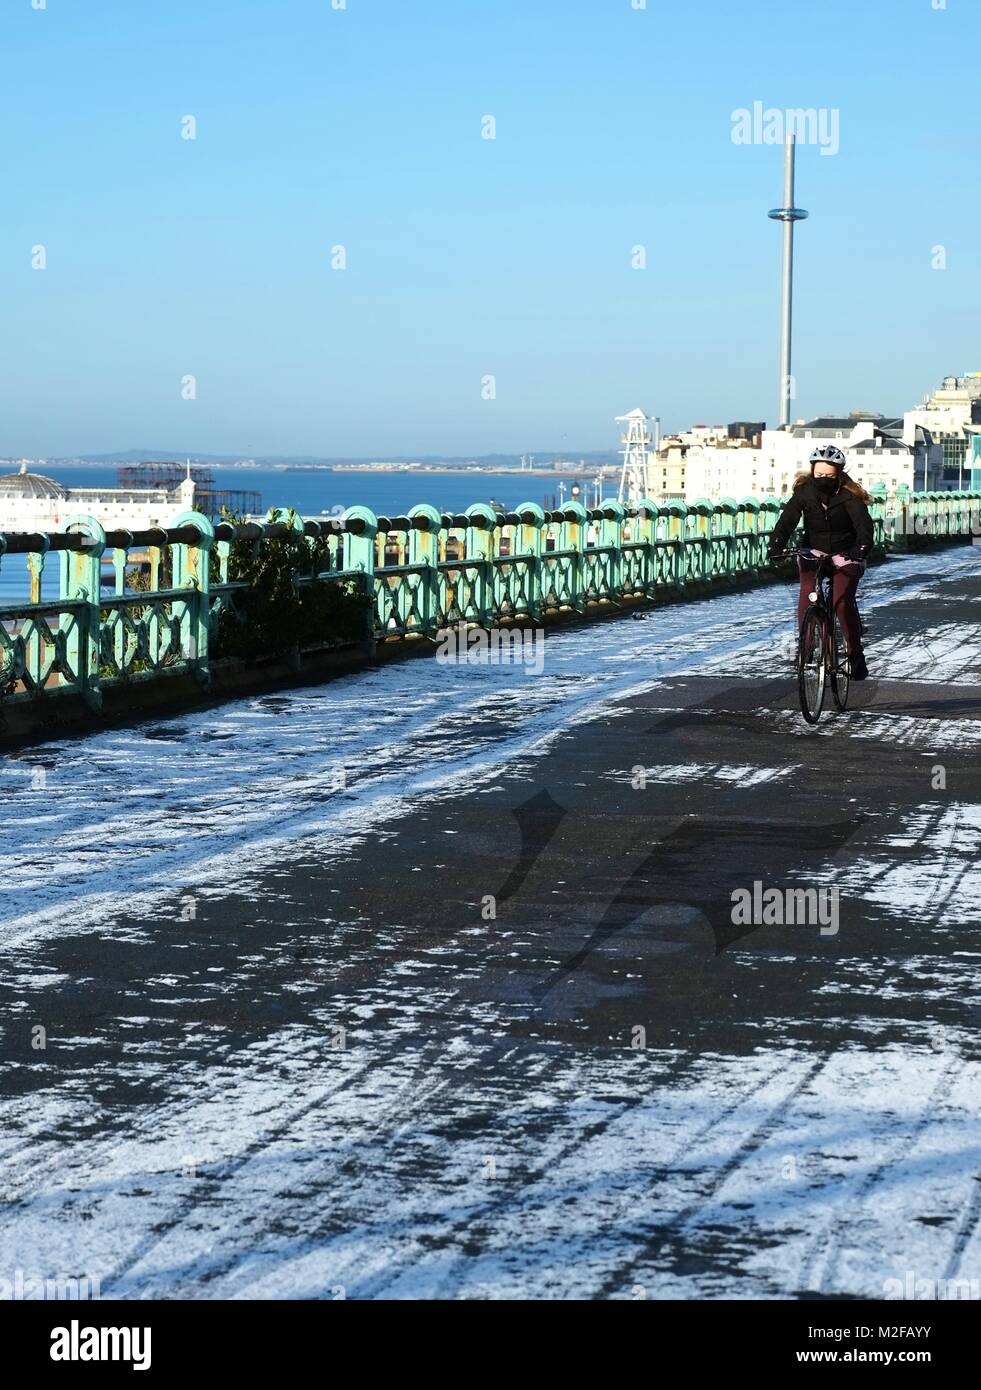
x: 828, y: 486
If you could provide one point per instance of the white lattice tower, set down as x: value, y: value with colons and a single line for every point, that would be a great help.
x: 636, y: 439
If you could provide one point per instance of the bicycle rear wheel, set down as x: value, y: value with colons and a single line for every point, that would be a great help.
x: 839, y: 666
x: 811, y: 665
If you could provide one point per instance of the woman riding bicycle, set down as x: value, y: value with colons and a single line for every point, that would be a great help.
x: 837, y: 523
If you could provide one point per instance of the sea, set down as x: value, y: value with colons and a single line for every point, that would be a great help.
x: 312, y: 492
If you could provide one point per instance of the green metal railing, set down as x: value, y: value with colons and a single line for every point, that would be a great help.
x: 419, y: 573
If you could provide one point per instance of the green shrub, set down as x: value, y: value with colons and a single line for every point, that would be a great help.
x: 277, y: 615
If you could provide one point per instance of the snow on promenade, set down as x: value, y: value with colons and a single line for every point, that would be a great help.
x: 285, y: 1059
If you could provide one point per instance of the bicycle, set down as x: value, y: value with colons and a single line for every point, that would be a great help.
x: 821, y: 648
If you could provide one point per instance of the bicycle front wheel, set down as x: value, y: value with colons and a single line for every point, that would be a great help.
x: 811, y: 666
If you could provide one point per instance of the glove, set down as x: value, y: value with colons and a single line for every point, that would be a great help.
x: 857, y: 552
x: 774, y: 550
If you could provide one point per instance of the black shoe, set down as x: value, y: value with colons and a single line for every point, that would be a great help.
x: 857, y: 668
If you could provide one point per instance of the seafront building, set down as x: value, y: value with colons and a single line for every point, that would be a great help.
x: 727, y: 463
x: 928, y: 449
x: 31, y: 501
x: 952, y: 415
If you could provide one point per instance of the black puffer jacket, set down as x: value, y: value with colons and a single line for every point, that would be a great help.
x: 835, y: 524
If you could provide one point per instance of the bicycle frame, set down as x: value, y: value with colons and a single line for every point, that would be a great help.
x: 817, y: 668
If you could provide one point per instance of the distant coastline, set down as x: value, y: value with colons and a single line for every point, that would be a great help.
x: 558, y: 464
x: 587, y: 470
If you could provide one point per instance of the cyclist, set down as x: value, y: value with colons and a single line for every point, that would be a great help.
x: 836, y: 519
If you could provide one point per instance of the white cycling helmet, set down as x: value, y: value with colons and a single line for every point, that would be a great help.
x: 828, y: 453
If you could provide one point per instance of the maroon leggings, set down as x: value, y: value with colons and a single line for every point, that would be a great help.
x: 843, y: 595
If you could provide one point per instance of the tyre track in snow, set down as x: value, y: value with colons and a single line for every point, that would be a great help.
x: 534, y: 1201
x: 347, y: 1208
x: 655, y: 1241
x: 967, y: 1229
x: 215, y: 1186
x: 826, y: 1248
x: 245, y: 1065
x: 96, y: 1155
x: 290, y: 1111
x: 353, y: 1213
x: 821, y: 1261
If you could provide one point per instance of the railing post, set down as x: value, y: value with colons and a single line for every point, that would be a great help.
x: 701, y: 530
x: 571, y: 537
x: 192, y: 572
x: 223, y: 551
x: 527, y: 549
x: 611, y: 537
x: 912, y: 511
x: 645, y: 524
x: 35, y: 566
x: 951, y: 512
x: 769, y: 511
x: 919, y: 519
x: 933, y: 508
x: 359, y: 555
x: 939, y: 508
x: 747, y: 538
x: 724, y: 523
x: 674, y: 515
x: 296, y: 524
x: 120, y: 555
x: 481, y: 548
x: 80, y: 630
x: 901, y: 519
x: 877, y: 510
x: 424, y: 550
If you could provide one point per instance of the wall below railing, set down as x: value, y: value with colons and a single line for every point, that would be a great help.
x: 151, y: 637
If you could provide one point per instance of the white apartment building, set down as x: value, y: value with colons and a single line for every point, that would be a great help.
x: 34, y: 502
x: 704, y: 434
x: 876, y: 452
x: 952, y: 415
x: 931, y: 448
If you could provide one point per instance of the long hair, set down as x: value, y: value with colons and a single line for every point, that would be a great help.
x: 849, y: 484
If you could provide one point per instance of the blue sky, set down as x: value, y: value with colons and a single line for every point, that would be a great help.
x: 466, y: 257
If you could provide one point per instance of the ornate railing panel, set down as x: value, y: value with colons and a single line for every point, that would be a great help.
x: 144, y: 606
